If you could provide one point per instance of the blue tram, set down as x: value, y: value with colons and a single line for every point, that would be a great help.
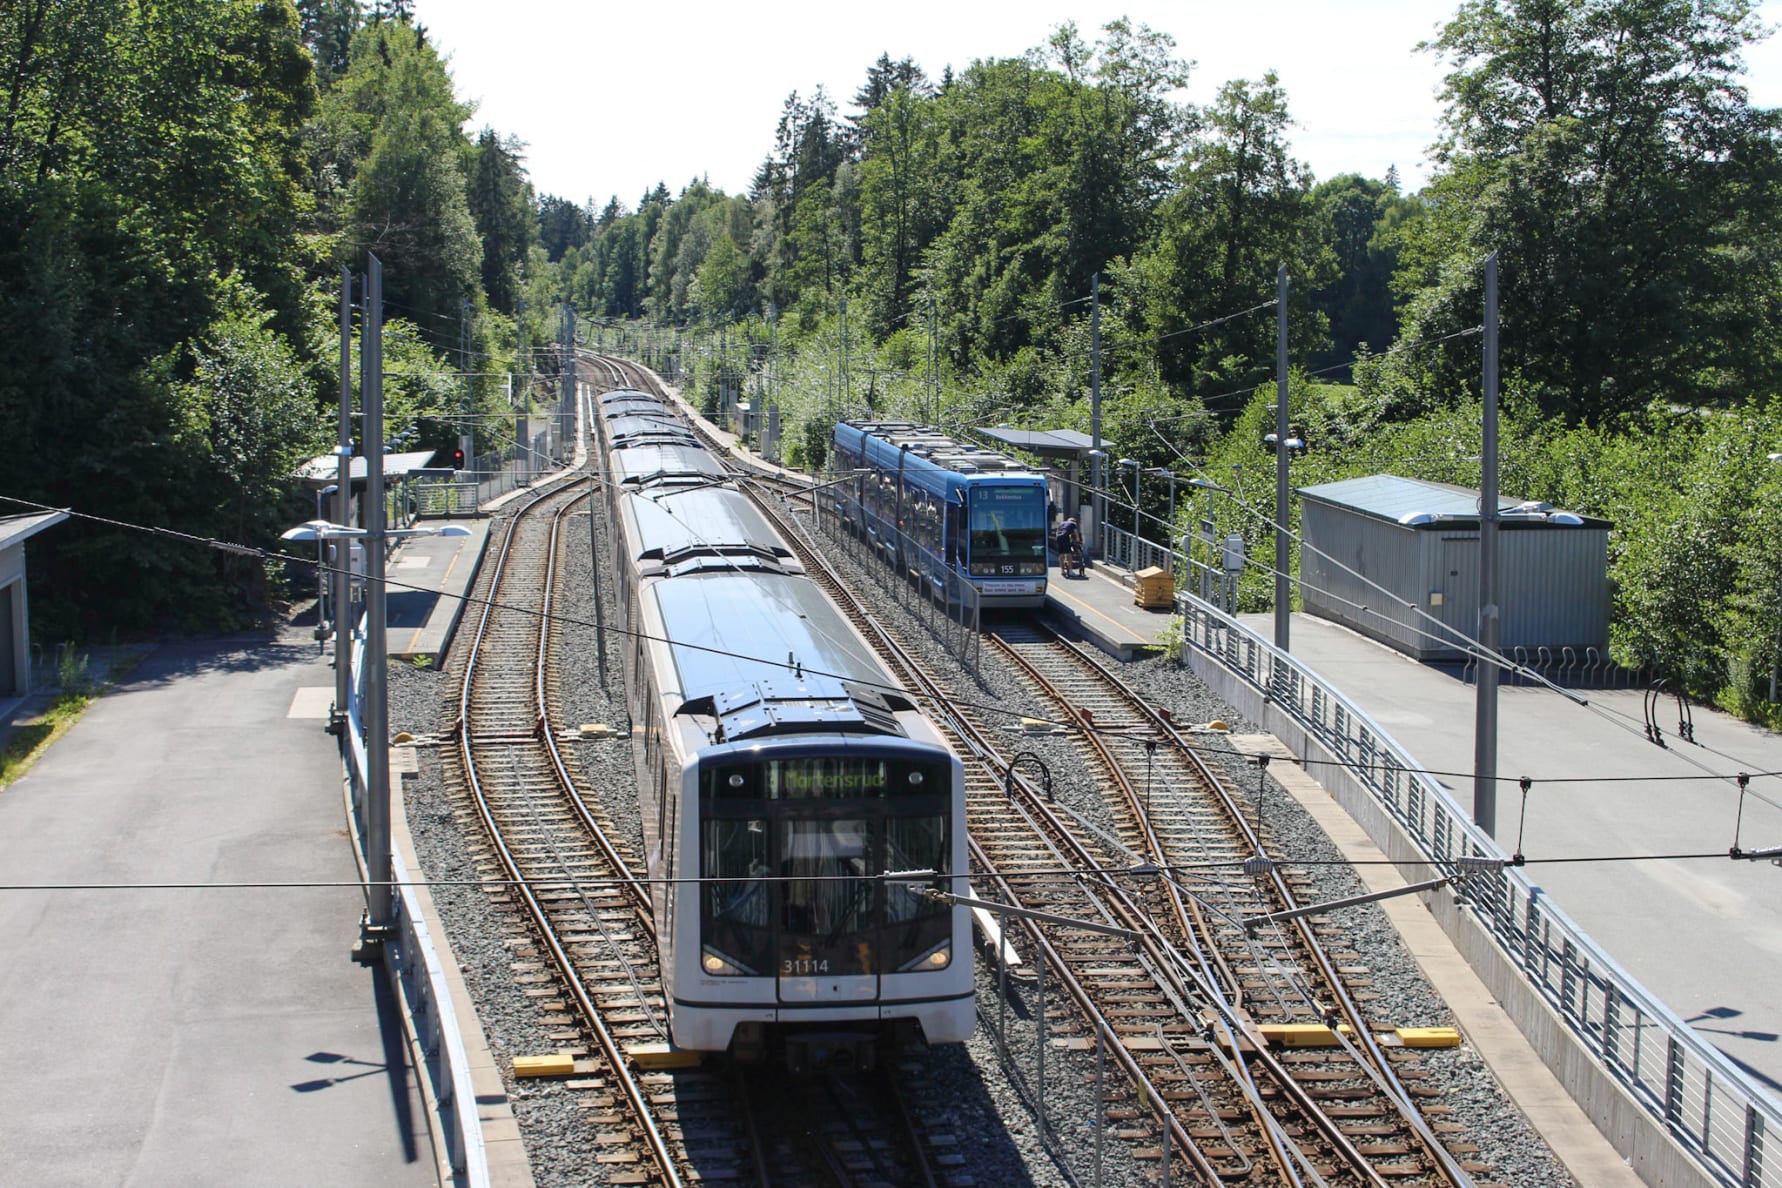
x: 983, y: 513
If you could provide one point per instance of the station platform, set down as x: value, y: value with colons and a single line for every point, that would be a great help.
x: 426, y: 580
x: 177, y: 1002
x: 1099, y: 607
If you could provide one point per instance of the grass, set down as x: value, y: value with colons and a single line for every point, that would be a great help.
x: 31, y: 739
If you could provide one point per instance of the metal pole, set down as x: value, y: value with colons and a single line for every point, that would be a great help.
x: 1283, y: 593
x: 1095, y: 450
x: 380, y: 915
x: 566, y: 403
x: 1485, y: 727
x: 1137, y: 479
x: 469, y: 397
x: 343, y: 512
x: 933, y: 417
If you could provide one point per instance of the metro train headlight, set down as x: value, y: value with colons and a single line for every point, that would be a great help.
x: 718, y: 965
x: 938, y: 957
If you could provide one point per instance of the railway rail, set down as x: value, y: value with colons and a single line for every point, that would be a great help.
x: 575, y: 882
x: 1179, y: 1009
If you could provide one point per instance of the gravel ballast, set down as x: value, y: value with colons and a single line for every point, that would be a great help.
x: 988, y: 1100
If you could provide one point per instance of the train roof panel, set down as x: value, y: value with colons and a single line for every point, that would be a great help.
x: 625, y: 429
x: 883, y: 441
x: 641, y: 406
x: 765, y: 653
x: 674, y: 526
x: 618, y: 394
x: 642, y: 465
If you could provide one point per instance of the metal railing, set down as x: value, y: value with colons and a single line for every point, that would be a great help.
x: 1119, y: 547
x: 1687, y: 1088
x: 946, y: 602
x: 489, y: 476
x: 416, y: 972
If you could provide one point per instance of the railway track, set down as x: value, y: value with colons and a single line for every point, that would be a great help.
x: 1179, y: 1004
x: 588, y: 953
x: 571, y: 880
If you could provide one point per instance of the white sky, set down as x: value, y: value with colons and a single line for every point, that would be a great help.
x: 611, y: 98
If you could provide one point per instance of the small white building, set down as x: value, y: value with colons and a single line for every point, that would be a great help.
x: 1372, y: 545
x: 15, y: 612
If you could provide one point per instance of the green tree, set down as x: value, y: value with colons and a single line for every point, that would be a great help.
x: 1360, y: 218
x: 500, y: 202
x: 408, y: 199
x: 1607, y: 150
x: 1243, y: 209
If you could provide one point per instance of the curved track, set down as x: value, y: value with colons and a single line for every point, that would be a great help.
x: 1177, y: 1009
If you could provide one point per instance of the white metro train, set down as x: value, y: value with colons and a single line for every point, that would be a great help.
x: 782, y: 774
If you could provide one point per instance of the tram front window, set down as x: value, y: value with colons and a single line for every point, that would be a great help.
x: 1008, y: 531
x: 793, y: 852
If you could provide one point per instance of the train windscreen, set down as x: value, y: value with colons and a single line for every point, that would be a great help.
x: 791, y: 851
x: 1007, y: 530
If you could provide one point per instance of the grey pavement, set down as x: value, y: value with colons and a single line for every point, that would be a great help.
x: 191, y: 1034
x: 1704, y: 935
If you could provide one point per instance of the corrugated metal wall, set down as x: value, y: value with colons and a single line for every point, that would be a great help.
x: 1553, y: 585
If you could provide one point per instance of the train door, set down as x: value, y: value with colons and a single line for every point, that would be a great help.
x: 956, y: 536
x: 828, y: 931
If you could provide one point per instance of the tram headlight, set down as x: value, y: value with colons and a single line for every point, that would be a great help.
x: 718, y: 965
x: 939, y: 957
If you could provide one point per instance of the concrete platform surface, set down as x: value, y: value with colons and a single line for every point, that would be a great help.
x: 156, y: 1028
x: 1100, y: 606
x: 427, y: 577
x: 1703, y: 934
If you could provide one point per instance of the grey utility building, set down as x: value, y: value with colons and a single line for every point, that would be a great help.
x: 15, y: 613
x: 1419, y: 543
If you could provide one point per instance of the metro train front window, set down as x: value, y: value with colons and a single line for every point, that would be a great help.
x: 1008, y: 528
x: 792, y: 854
x: 826, y: 914
x: 737, y: 904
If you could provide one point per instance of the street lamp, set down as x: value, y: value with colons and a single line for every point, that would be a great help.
x: 322, y: 619
x: 1207, y: 524
x: 375, y: 719
x: 1098, y: 504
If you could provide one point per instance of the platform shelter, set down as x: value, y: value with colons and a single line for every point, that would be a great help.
x: 1062, y: 453
x: 15, y: 614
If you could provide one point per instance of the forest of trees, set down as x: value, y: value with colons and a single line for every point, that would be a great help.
x: 181, y: 184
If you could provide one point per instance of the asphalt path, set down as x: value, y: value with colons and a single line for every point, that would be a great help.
x: 165, y: 1029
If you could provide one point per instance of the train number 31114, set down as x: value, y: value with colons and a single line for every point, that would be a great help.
x: 803, y: 965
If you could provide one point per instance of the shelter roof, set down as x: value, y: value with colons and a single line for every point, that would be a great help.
x: 1046, y: 442
x: 16, y: 530
x: 1420, y: 503
x: 320, y: 472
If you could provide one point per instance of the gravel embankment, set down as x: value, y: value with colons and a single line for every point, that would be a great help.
x: 989, y: 1099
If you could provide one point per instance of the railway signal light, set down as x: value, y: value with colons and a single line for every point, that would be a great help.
x: 458, y: 459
